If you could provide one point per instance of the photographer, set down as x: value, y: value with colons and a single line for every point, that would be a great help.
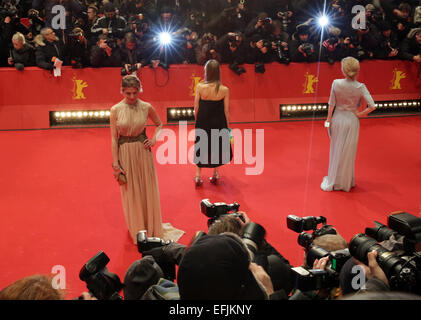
x: 105, y: 53
x: 331, y: 47
x: 50, y: 50
x: 329, y: 240
x: 260, y: 52
x: 111, y: 24
x: 261, y: 25
x: 218, y: 267
x: 77, y: 49
x: 36, y: 287
x: 195, y: 21
x: 402, y: 21
x: 389, y: 44
x: 74, y: 8
x: 23, y: 54
x: 369, y: 39
x: 233, y: 51
x: 279, y: 40
x: 35, y: 24
x: 206, y: 49
x: 301, y: 47
x: 188, y: 44
x: 92, y: 19
x: 139, y: 26
x: 282, y: 11
x: 11, y: 24
x: 411, y: 46
x: 279, y: 269
x: 234, y: 16
x: 131, y: 55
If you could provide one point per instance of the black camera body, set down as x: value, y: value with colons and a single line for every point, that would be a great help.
x: 307, y: 278
x: 145, y: 244
x: 132, y: 68
x: 219, y: 209
x: 398, y: 254
x: 101, y: 283
x: 308, y: 49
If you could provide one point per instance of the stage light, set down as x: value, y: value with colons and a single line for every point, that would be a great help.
x: 164, y: 38
x: 180, y: 114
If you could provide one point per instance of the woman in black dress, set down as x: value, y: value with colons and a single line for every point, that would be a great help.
x: 211, y: 106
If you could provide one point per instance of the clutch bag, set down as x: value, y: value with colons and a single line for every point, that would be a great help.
x: 122, y: 179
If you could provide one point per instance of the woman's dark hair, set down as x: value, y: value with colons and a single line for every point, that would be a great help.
x: 212, y: 73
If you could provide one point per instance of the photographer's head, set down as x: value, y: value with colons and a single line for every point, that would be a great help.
x: 109, y: 10
x: 92, y: 12
x: 129, y: 41
x: 418, y: 36
x: 18, y: 41
x: 303, y: 33
x: 48, y: 34
x: 350, y: 67
x: 36, y: 287
x: 217, y: 267
x: 226, y: 224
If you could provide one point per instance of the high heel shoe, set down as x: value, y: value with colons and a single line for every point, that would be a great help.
x: 198, y: 182
x: 214, y: 179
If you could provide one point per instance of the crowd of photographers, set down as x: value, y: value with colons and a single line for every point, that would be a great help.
x: 234, y: 261
x: 126, y: 33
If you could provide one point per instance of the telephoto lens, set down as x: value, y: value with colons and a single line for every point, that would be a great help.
x: 361, y: 244
x: 253, y: 237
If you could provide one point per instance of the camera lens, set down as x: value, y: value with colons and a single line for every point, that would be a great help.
x: 253, y: 236
x: 361, y: 244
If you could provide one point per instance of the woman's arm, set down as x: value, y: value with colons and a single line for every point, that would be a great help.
x: 196, y: 101
x: 227, y: 106
x: 371, y: 106
x: 153, y: 115
x: 332, y: 102
x: 114, y: 143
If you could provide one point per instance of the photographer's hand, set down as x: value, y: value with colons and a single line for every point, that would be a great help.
x: 320, y: 264
x: 246, y: 219
x: 87, y: 296
x: 261, y: 276
x: 373, y: 269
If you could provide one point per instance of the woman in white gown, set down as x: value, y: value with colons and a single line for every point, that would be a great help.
x: 345, y: 98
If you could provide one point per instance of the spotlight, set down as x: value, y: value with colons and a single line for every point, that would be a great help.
x: 165, y: 38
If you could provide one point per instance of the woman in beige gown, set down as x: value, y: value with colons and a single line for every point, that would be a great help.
x: 132, y: 156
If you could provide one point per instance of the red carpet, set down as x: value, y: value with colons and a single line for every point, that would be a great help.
x: 60, y: 204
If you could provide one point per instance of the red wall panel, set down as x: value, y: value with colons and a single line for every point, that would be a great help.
x: 27, y: 97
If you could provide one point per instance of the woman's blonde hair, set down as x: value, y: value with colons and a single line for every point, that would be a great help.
x: 130, y: 81
x: 350, y: 67
x: 19, y: 37
x: 212, y: 73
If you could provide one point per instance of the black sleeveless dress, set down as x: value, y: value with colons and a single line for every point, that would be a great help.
x: 212, y: 139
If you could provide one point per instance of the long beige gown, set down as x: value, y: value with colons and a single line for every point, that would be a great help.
x: 140, y: 196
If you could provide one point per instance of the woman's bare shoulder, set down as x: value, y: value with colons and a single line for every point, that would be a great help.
x: 224, y: 89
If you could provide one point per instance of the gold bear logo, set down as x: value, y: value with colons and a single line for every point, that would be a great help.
x: 195, y: 82
x: 398, y: 75
x: 78, y: 86
x: 311, y: 79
